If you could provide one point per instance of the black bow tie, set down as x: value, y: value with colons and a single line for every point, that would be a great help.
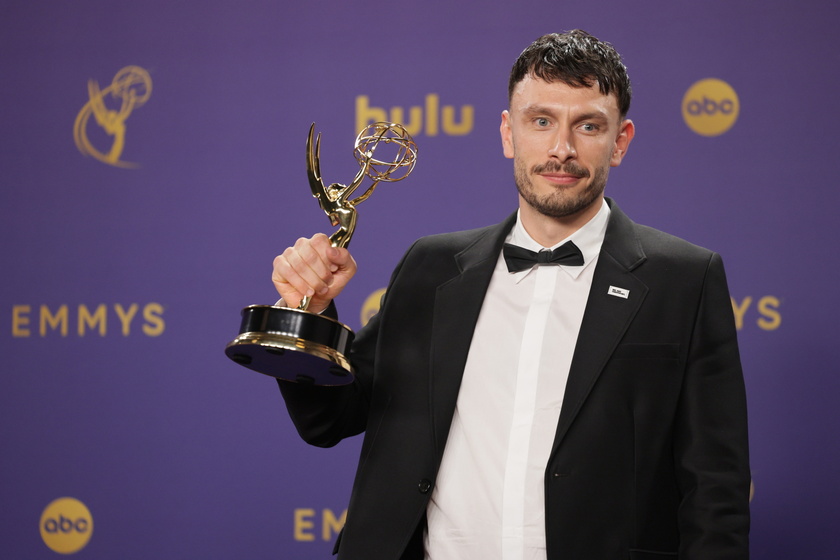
x: 519, y: 258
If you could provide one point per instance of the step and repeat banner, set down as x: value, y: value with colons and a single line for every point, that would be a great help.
x: 152, y: 160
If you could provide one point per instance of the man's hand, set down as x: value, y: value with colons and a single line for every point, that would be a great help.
x: 312, y: 268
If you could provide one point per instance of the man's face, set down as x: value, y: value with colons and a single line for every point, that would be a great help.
x: 563, y: 140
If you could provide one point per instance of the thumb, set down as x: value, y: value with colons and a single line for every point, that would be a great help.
x: 342, y: 265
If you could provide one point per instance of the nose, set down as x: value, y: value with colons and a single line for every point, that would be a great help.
x: 562, y: 146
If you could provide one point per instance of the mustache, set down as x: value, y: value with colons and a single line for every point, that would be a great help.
x: 570, y: 168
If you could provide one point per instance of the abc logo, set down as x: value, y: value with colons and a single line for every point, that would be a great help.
x: 710, y: 107
x: 66, y: 525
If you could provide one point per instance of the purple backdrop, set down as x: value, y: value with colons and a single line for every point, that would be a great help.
x: 121, y: 285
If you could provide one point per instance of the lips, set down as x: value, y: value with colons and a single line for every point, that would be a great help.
x: 567, y: 182
x: 561, y: 177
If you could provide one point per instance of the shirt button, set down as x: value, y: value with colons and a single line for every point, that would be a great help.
x: 424, y: 486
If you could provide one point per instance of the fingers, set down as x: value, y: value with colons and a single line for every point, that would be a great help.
x: 303, y: 270
x: 314, y: 268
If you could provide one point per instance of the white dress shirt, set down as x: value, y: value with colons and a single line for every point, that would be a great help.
x: 488, y: 500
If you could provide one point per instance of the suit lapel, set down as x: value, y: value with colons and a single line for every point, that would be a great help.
x: 457, y: 305
x: 607, y: 315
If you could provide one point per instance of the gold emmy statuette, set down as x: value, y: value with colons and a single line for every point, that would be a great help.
x: 297, y: 345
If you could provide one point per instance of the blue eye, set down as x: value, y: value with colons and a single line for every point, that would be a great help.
x: 542, y: 121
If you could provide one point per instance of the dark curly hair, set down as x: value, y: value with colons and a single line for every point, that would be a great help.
x: 577, y: 59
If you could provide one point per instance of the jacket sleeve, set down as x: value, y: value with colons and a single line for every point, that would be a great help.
x: 324, y: 416
x: 710, y: 442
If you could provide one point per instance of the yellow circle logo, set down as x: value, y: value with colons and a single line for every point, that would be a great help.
x: 66, y: 525
x: 371, y: 305
x: 710, y: 107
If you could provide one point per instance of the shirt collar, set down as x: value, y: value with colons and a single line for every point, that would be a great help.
x: 588, y: 238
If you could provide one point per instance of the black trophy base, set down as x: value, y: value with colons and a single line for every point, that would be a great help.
x: 293, y: 345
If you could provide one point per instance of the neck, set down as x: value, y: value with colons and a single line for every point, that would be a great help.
x: 548, y: 230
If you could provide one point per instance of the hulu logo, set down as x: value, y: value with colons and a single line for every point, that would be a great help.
x: 430, y: 119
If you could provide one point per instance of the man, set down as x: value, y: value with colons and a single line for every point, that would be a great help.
x: 514, y: 408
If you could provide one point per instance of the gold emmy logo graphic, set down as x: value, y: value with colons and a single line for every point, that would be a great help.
x: 66, y: 525
x: 110, y: 107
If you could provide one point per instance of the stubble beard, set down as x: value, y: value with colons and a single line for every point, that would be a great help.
x: 563, y: 201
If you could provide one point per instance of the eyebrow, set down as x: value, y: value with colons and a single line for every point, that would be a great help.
x: 533, y: 110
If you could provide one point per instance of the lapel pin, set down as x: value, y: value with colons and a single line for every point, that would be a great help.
x: 618, y: 292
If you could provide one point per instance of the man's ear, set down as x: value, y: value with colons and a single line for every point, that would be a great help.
x: 507, y: 135
x: 626, y: 132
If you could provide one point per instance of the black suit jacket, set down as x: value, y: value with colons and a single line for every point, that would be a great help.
x: 650, y: 454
